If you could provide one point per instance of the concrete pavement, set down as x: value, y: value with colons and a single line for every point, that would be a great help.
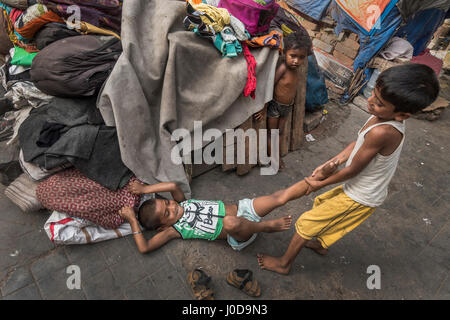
x: 408, y: 237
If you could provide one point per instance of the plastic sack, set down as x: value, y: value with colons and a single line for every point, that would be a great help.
x: 64, y: 229
x: 316, y: 90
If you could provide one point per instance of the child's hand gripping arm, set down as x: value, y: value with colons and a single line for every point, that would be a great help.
x: 177, y: 194
x: 341, y: 158
x: 374, y: 141
x: 143, y: 244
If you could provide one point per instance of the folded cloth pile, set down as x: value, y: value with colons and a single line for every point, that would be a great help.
x: 76, y: 66
x: 22, y: 192
x: 11, y: 15
x: 5, y: 42
x: 23, y: 19
x: 84, y: 141
x: 217, y: 24
x: 33, y: 19
x: 36, y: 173
x: 100, y: 13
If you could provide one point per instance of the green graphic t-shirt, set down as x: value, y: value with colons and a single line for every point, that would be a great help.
x: 201, y: 219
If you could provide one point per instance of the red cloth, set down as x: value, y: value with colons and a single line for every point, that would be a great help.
x: 428, y: 59
x: 250, y: 86
x: 15, y: 14
x: 70, y: 192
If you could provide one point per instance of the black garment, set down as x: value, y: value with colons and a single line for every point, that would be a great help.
x: 408, y: 8
x: 76, y: 66
x: 52, y: 32
x: 23, y: 76
x: 50, y: 133
x: 5, y: 104
x: 285, y: 18
x: 5, y: 42
x: 86, y: 142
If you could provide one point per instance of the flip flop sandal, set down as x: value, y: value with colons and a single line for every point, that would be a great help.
x: 199, y: 282
x: 243, y: 280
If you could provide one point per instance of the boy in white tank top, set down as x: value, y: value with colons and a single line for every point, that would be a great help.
x: 371, y: 162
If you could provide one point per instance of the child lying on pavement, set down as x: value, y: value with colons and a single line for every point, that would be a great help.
x: 209, y: 220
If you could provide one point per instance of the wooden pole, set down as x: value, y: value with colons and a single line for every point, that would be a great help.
x: 298, y: 114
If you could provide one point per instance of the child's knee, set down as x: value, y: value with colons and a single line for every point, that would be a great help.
x: 231, y: 223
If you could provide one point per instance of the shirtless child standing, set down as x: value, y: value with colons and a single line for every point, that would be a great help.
x: 297, y: 47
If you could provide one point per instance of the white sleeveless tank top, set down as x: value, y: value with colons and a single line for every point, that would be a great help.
x: 370, y: 186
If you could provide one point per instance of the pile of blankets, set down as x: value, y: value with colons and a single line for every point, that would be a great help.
x: 55, y: 57
x: 89, y: 113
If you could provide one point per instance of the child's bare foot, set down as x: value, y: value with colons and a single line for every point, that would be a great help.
x: 136, y: 187
x: 277, y: 225
x: 273, y: 264
x: 316, y: 246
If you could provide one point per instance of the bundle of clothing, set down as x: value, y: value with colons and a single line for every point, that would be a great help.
x: 18, y: 95
x: 227, y: 32
x: 72, y: 131
x: 76, y: 66
x: 217, y: 24
x: 25, y: 18
x: 100, y: 13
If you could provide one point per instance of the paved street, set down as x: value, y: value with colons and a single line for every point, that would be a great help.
x: 408, y: 237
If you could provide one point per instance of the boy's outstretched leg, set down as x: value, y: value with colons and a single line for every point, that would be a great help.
x: 242, y: 229
x: 283, y: 264
x: 265, y: 204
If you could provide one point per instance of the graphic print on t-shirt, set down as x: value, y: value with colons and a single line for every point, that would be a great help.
x: 200, y: 219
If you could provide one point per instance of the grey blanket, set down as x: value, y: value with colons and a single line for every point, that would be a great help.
x: 86, y: 143
x: 167, y: 78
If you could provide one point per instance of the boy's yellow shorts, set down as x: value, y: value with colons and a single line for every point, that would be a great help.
x: 333, y: 215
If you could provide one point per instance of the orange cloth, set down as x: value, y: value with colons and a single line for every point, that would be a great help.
x: 29, y: 29
x: 273, y: 40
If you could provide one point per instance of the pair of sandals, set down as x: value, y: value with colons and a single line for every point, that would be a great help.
x: 239, y: 278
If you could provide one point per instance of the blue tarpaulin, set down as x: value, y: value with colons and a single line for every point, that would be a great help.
x: 421, y: 28
x: 367, y: 15
x: 315, y: 9
x: 369, y: 45
x: 418, y: 30
x: 316, y: 91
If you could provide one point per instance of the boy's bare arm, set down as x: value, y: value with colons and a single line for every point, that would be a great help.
x: 139, y: 188
x: 157, y: 241
x: 143, y: 244
x: 341, y: 158
x: 279, y: 73
x: 374, y: 141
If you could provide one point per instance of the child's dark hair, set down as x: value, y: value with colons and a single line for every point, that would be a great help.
x: 410, y: 87
x: 298, y: 40
x: 147, y: 216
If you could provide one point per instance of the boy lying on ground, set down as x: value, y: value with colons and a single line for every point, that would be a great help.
x: 371, y: 162
x: 209, y: 220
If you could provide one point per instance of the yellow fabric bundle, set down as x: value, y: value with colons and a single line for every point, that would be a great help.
x: 220, y: 16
